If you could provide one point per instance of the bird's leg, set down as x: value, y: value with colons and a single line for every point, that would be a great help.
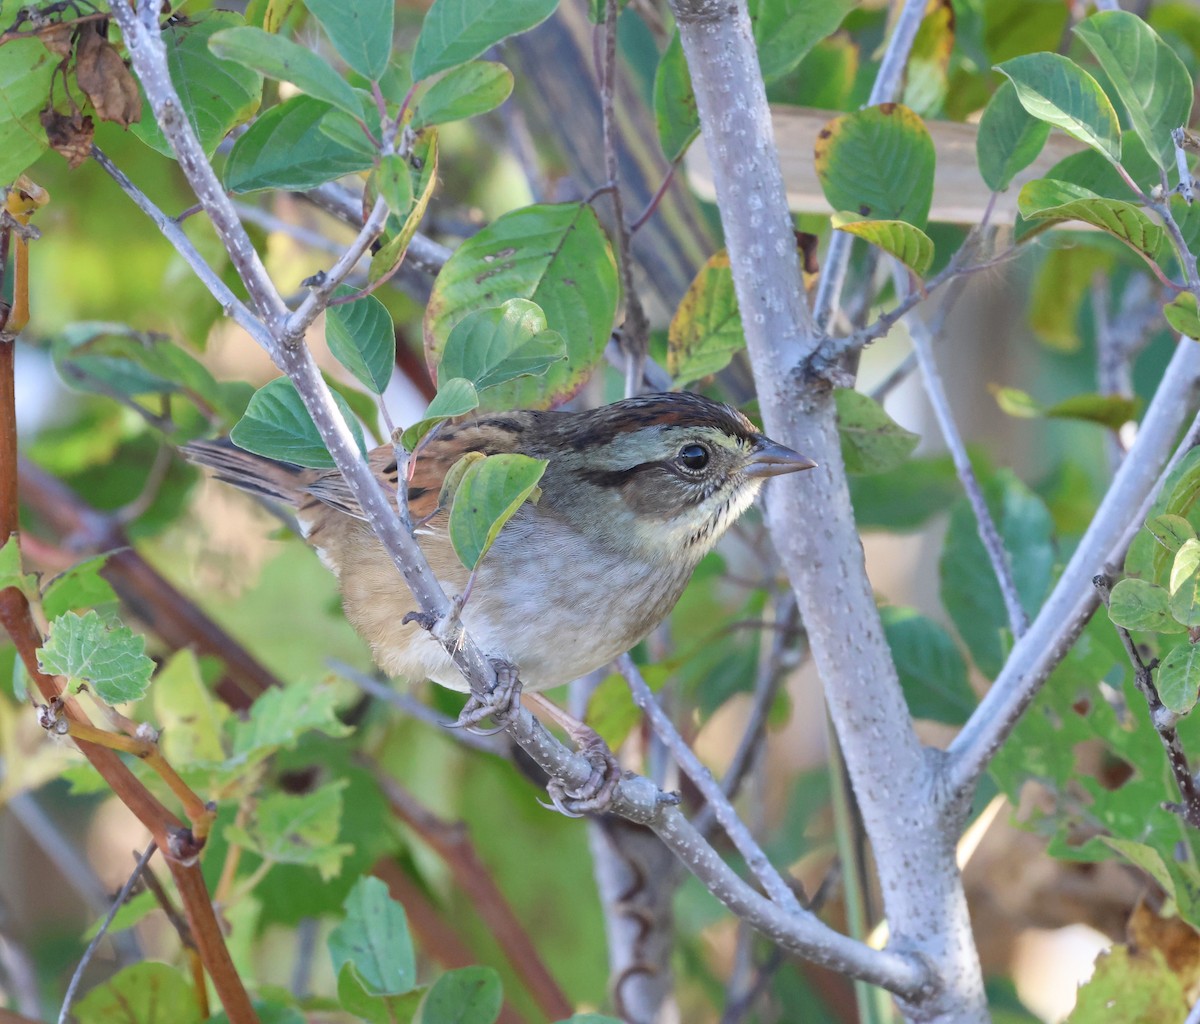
x: 501, y: 702
x: 597, y: 792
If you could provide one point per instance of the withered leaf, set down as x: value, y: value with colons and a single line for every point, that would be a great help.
x: 57, y: 39
x: 69, y: 134
x: 107, y: 81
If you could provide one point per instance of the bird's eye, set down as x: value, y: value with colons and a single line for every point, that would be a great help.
x: 693, y: 456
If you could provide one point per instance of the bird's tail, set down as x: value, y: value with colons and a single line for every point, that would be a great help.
x: 275, y: 481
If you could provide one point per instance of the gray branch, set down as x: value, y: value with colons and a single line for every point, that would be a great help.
x: 812, y: 522
x: 939, y: 401
x: 1071, y: 603
x: 635, y: 798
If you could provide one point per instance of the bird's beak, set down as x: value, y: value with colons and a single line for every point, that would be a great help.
x: 772, y: 459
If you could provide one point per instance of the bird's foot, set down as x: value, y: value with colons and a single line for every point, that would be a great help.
x: 500, y: 704
x: 595, y: 795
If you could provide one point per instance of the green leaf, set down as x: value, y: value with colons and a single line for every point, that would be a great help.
x: 910, y: 245
x: 279, y: 717
x: 361, y: 32
x: 1148, y: 75
x: 675, y: 116
x: 904, y: 498
x: 785, y: 30
x: 469, y: 995
x: 1009, y: 138
x: 463, y: 92
x: 1137, y: 604
x: 456, y: 396
x: 456, y: 31
x: 11, y: 574
x: 375, y: 1009
x: 374, y: 938
x: 286, y: 61
x: 393, y: 178
x: 1185, y: 564
x: 1185, y: 584
x: 286, y: 149
x: 217, y: 94
x: 589, y: 1018
x: 1170, y: 531
x: 362, y: 337
x: 271, y: 1011
x: 493, y: 346
x: 109, y: 658
x: 146, y: 993
x: 277, y: 425
x: 706, y: 330
x: 297, y: 828
x: 1183, y: 314
x: 365, y: 406
x: 423, y: 162
x: 81, y: 586
x: 1139, y: 989
x: 932, y: 672
x: 1058, y: 91
x: 25, y: 74
x: 1049, y: 200
x: 1112, y: 411
x: 878, y: 162
x: 872, y: 442
x: 555, y: 255
x: 970, y: 593
x: 191, y: 719
x: 488, y: 496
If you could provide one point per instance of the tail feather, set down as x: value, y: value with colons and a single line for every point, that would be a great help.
x: 275, y: 481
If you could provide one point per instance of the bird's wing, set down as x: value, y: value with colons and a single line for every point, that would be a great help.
x: 428, y: 468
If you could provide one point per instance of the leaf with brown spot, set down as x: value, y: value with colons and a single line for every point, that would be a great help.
x: 102, y: 74
x: 69, y: 134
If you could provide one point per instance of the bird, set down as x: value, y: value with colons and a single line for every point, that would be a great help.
x: 634, y: 494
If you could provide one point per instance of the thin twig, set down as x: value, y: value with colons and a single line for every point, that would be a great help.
x: 412, y: 707
x: 88, y: 953
x: 939, y: 401
x: 231, y: 305
x: 771, y: 673
x: 779, y: 891
x: 1162, y: 718
x: 635, y: 332
x: 1186, y: 185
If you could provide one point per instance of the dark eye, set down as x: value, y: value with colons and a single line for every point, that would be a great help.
x: 693, y: 456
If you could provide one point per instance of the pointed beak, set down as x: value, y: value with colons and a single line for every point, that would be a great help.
x: 772, y: 459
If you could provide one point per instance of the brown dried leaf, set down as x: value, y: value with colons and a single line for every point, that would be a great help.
x: 1177, y: 940
x: 107, y: 81
x: 57, y: 39
x: 69, y: 134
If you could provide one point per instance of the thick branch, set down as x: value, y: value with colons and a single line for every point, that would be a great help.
x: 812, y: 522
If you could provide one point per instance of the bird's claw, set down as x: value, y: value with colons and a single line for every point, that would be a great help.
x: 500, y: 704
x: 596, y: 794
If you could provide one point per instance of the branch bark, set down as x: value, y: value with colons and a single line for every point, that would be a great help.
x: 635, y: 798
x: 812, y: 524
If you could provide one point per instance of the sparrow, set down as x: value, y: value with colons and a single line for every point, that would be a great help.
x: 634, y: 495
